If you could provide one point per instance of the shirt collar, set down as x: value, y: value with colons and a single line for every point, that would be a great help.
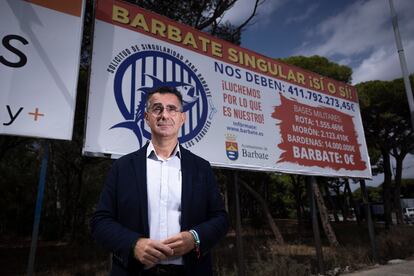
x: 151, y: 153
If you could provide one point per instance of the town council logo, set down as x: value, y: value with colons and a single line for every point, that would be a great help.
x: 143, y: 71
x: 232, y: 148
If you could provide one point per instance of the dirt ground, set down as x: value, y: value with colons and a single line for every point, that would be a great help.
x: 262, y: 256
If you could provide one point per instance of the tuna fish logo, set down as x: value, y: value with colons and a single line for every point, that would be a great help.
x: 139, y: 74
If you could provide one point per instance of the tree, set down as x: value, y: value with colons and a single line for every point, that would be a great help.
x: 378, y: 122
x: 298, y: 190
x: 387, y: 128
x: 203, y: 15
x: 374, y: 194
x: 323, y: 66
x: 404, y: 143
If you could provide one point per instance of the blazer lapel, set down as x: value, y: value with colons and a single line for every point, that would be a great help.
x: 140, y: 177
x: 186, y: 187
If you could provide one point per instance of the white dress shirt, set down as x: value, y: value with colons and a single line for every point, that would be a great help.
x: 164, y: 196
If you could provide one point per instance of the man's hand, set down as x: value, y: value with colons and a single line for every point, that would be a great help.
x: 150, y: 252
x: 182, y: 243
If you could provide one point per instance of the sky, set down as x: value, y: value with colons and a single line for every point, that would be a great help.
x: 355, y: 33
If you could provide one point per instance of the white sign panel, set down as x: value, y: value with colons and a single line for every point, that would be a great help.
x: 243, y: 110
x: 40, y: 44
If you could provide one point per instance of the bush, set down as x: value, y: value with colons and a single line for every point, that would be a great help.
x: 395, y: 243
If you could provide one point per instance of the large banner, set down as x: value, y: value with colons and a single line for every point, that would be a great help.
x: 243, y: 110
x: 40, y: 44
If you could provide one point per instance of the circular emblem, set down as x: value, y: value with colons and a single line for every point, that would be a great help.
x: 143, y: 71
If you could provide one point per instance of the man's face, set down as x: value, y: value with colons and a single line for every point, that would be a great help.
x: 164, y: 116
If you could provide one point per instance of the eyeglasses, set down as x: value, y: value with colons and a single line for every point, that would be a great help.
x: 159, y: 109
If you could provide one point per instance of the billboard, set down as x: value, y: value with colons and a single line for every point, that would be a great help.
x: 40, y: 44
x: 243, y: 110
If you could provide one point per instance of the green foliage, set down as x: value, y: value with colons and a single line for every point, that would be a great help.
x: 190, y: 12
x: 374, y: 194
x: 322, y: 66
x: 385, y: 116
x: 283, y: 201
x: 227, y: 31
x: 407, y: 188
x: 384, y: 109
x: 278, y: 199
x: 202, y: 15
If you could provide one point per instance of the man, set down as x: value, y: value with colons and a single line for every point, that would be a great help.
x: 160, y: 210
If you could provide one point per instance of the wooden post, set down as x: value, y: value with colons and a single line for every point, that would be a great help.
x: 323, y: 215
x: 239, y: 238
x: 310, y: 181
x: 369, y: 220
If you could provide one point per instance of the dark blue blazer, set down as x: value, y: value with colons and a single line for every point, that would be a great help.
x: 121, y: 217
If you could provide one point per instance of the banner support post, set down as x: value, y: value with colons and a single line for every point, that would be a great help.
x: 370, y: 223
x: 239, y: 238
x: 38, y: 210
x: 310, y: 181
